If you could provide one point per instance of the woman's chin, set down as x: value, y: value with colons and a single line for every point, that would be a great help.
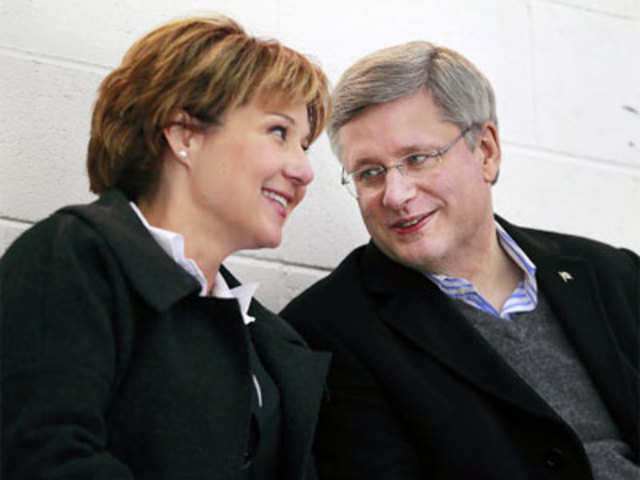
x: 271, y: 240
x: 273, y: 243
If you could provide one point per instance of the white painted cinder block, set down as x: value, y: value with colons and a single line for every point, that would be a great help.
x: 587, y: 83
x: 99, y: 32
x: 494, y: 37
x: 44, y: 129
x: 565, y: 194
x: 9, y: 231
x: 278, y: 283
x: 620, y: 8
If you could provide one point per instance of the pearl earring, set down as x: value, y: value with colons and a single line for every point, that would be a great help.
x: 182, y: 154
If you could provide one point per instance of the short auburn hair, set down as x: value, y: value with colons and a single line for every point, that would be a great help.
x: 204, y: 66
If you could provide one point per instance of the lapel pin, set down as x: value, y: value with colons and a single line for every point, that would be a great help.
x: 565, y: 276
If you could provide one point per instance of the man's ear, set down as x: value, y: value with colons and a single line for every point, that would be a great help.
x: 181, y: 139
x: 488, y: 146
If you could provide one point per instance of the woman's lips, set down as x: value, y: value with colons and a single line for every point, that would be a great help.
x: 278, y: 199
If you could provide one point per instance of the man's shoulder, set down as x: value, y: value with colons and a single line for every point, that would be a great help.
x: 334, y: 294
x: 542, y: 242
x: 617, y: 270
x: 343, y: 279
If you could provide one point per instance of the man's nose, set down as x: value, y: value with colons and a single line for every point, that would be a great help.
x: 399, y: 188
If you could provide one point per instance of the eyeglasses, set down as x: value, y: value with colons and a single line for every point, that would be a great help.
x: 370, y: 179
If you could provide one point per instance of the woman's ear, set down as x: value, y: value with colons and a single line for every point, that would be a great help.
x: 488, y: 146
x: 180, y: 137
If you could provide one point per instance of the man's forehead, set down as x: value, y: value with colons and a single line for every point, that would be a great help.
x: 361, y: 145
x: 416, y: 107
x: 357, y: 146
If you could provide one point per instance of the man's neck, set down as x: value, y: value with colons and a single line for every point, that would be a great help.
x: 497, y: 282
x: 487, y: 267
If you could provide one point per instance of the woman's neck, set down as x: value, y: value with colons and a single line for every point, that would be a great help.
x: 165, y: 211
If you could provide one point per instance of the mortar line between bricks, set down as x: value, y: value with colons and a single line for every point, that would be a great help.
x: 561, y: 155
x: 282, y: 263
x: 20, y: 221
x: 55, y: 60
x: 595, y: 11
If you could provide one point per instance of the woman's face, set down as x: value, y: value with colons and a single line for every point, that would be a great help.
x: 249, y: 173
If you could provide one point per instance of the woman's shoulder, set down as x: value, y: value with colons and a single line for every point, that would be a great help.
x: 58, y: 261
x: 68, y: 249
x: 57, y: 233
x: 70, y: 230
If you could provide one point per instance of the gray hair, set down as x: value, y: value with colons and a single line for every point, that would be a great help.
x: 463, y: 94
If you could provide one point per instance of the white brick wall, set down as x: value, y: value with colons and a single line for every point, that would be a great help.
x: 565, y: 72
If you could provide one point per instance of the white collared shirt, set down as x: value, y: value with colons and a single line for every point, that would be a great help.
x: 173, y: 244
x: 524, y: 297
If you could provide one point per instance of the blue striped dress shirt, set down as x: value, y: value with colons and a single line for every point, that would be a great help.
x: 523, y: 299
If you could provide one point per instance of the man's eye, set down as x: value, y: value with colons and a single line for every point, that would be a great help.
x: 370, y: 173
x: 416, y: 160
x: 280, y: 131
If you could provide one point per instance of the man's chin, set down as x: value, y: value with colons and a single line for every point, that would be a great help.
x: 417, y: 260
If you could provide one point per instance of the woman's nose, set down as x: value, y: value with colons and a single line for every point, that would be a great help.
x: 298, y: 169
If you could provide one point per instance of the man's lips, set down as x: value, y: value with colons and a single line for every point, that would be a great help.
x: 412, y: 224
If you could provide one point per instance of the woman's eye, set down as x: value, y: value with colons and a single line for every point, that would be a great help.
x: 280, y: 131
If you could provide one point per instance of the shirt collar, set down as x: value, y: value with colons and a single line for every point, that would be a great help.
x: 523, y: 298
x: 173, y: 244
x: 243, y: 293
x: 520, y: 258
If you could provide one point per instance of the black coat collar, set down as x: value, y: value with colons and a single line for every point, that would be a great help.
x: 298, y: 372
x: 412, y: 305
x: 153, y: 274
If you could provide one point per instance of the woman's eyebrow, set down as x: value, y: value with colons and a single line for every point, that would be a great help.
x: 290, y: 119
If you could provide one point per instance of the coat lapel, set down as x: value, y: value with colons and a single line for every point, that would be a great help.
x: 300, y: 376
x: 299, y: 373
x: 571, y: 287
x: 158, y: 279
x: 415, y: 308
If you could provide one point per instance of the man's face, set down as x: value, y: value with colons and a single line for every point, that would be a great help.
x: 442, y: 216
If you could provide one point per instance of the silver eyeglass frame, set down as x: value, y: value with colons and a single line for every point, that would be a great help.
x: 347, y: 178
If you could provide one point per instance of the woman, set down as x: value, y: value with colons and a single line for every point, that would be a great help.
x: 128, y: 350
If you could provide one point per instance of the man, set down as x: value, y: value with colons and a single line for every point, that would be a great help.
x: 464, y: 347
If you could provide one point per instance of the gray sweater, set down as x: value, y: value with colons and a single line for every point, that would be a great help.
x: 535, y: 346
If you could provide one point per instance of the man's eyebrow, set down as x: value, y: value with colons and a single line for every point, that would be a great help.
x: 424, y: 148
x: 365, y: 161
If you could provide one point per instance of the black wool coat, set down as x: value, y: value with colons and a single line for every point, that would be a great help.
x: 114, y: 367
x: 415, y: 392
